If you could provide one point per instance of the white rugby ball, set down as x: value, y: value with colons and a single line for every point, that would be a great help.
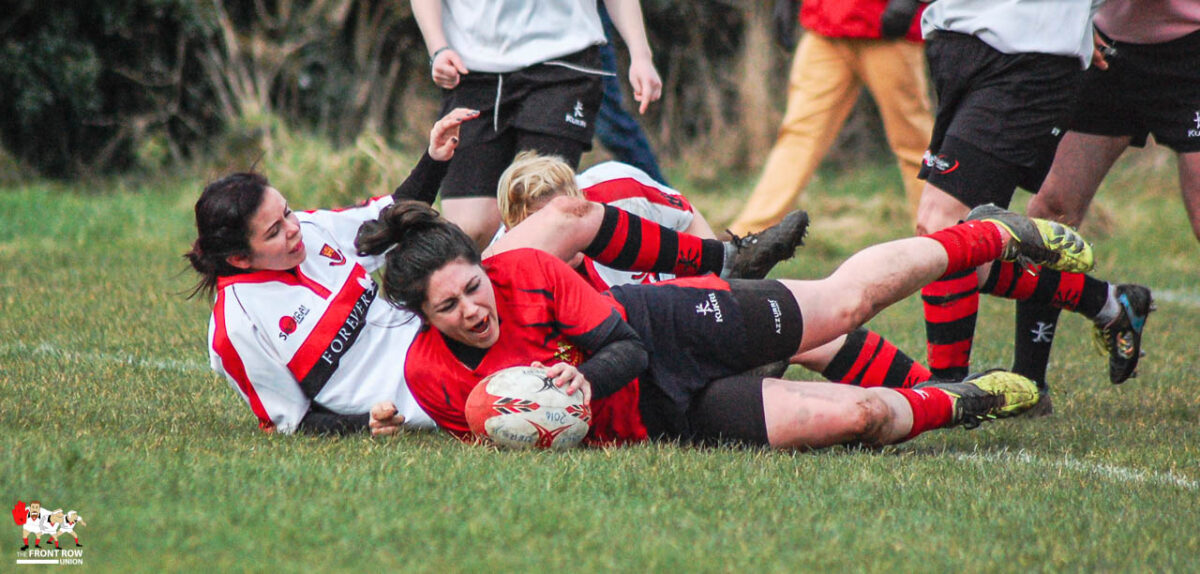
x: 519, y: 407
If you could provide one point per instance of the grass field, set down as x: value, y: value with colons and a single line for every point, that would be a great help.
x: 107, y: 407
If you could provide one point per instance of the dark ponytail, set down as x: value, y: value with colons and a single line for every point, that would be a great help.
x: 223, y: 215
x: 415, y: 242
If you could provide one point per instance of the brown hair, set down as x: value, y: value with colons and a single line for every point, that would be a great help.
x: 223, y: 215
x: 415, y: 242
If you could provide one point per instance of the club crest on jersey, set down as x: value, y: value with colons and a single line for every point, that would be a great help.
x: 568, y: 353
x: 289, y: 323
x: 1196, y: 132
x: 334, y: 254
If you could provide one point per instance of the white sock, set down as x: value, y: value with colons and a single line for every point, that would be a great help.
x: 1111, y: 309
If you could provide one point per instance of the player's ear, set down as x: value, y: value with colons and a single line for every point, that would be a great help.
x: 239, y: 261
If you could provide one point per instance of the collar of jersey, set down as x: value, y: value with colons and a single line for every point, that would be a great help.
x: 290, y: 277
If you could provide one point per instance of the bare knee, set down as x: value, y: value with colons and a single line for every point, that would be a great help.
x: 868, y: 420
x: 855, y: 307
x: 570, y: 208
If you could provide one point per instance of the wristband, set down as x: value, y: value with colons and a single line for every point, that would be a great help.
x: 436, y: 52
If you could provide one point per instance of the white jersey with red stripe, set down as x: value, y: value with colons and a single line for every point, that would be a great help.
x: 626, y: 187
x: 36, y: 522
x: 67, y: 525
x: 318, y: 333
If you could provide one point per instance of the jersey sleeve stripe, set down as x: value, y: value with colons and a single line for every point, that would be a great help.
x: 233, y: 365
x: 629, y: 188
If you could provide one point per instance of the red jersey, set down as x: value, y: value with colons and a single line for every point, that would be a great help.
x: 541, y: 304
x: 852, y: 19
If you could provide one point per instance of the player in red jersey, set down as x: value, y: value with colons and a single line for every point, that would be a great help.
x: 687, y: 340
x: 863, y: 357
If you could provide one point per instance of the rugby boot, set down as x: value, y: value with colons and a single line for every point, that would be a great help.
x: 989, y: 395
x: 1038, y: 241
x: 1043, y: 408
x: 1121, y: 339
x: 756, y: 253
x: 24, y: 548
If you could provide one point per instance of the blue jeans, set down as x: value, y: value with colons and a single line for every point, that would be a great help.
x: 617, y: 131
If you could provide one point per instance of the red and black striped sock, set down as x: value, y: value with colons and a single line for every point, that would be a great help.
x: 931, y: 408
x: 867, y: 359
x: 1040, y: 296
x: 951, y: 307
x: 1077, y: 292
x: 628, y: 242
x: 968, y: 245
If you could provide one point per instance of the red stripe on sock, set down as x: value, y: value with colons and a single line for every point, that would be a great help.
x: 617, y: 242
x: 969, y: 245
x: 932, y: 409
x: 877, y: 371
x: 957, y: 354
x: 951, y: 286
x: 1070, y: 289
x: 917, y: 374
x: 1027, y: 282
x: 952, y: 311
x: 1003, y: 279
x: 691, y: 251
x: 651, y: 244
x: 864, y: 356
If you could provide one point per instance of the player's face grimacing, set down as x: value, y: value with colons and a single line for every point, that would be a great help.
x: 461, y: 304
x: 275, y: 240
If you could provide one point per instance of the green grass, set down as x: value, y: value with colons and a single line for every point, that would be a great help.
x: 107, y: 407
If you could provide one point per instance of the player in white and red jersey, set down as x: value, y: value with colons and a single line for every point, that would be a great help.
x: 67, y: 526
x: 36, y: 519
x: 296, y: 328
x: 862, y: 357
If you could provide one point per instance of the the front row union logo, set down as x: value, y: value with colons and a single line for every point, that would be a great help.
x: 48, y: 536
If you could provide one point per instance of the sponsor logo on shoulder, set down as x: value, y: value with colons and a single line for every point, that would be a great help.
x: 1196, y: 132
x: 576, y: 119
x: 331, y: 253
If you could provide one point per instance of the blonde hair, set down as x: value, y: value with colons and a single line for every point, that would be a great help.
x: 530, y: 182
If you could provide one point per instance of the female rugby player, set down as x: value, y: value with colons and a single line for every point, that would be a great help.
x: 687, y: 339
x: 295, y: 328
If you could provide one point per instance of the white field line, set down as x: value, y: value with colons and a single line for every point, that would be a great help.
x: 1188, y: 298
x: 1109, y: 471
x: 49, y: 350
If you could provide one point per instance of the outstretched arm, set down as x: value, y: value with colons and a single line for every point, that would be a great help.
x: 426, y: 177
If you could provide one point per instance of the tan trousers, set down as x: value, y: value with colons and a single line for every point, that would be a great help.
x: 827, y: 75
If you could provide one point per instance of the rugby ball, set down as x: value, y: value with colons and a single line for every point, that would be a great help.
x: 520, y: 407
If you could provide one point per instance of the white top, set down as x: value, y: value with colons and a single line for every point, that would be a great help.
x: 1058, y: 27
x: 322, y: 327
x: 35, y: 522
x: 507, y: 35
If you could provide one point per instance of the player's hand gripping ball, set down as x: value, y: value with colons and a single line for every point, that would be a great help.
x: 520, y: 407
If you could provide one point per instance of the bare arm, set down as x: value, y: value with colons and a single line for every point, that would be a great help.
x: 643, y: 77
x: 447, y: 64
